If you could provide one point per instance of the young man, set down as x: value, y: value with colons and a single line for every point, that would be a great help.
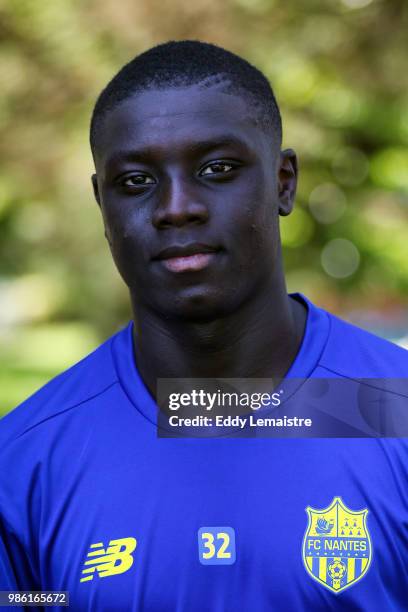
x: 191, y: 182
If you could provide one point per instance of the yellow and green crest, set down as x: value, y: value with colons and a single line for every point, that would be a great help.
x: 337, y: 549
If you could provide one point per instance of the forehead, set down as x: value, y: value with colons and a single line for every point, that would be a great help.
x: 177, y: 118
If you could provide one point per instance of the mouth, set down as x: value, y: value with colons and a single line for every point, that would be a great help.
x: 188, y: 258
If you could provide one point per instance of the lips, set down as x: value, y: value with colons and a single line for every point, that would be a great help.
x: 187, y: 258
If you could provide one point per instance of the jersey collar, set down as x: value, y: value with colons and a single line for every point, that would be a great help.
x: 307, y: 359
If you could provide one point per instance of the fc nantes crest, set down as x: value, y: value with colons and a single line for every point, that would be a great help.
x: 337, y: 548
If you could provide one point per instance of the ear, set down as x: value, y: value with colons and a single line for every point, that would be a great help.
x: 94, y: 180
x: 287, y: 181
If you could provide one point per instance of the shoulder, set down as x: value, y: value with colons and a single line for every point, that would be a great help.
x: 353, y: 352
x: 89, y: 378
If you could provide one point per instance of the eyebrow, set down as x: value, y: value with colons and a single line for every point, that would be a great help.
x: 198, y: 147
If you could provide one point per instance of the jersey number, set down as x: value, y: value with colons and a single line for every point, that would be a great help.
x: 209, y: 544
x: 216, y: 545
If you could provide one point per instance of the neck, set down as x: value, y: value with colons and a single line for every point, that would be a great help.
x: 259, y: 340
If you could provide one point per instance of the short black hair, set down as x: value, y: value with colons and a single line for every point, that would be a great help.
x: 189, y: 62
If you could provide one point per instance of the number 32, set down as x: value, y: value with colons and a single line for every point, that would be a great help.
x: 209, y: 543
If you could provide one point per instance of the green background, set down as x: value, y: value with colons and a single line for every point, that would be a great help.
x: 339, y: 71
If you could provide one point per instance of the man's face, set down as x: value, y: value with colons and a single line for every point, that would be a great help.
x: 190, y: 192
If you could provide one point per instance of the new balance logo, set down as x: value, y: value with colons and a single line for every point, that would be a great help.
x: 116, y: 559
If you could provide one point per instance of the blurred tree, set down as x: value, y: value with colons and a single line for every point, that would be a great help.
x: 339, y: 72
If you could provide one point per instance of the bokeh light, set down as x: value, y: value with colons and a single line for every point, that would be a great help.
x: 327, y: 203
x: 350, y: 166
x: 356, y: 4
x: 340, y: 258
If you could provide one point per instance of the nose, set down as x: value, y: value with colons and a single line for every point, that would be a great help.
x: 179, y: 205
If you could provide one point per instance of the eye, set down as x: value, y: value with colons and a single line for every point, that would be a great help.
x: 218, y: 167
x: 137, y: 180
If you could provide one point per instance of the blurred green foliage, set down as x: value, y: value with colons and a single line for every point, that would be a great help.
x: 339, y: 71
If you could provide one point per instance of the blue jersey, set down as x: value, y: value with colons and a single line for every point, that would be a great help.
x: 94, y: 503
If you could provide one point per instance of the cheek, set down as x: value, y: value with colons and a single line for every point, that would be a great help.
x: 126, y: 233
x: 259, y: 226
x: 117, y: 221
x: 265, y: 230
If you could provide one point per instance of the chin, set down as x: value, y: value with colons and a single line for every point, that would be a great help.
x: 199, y: 306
